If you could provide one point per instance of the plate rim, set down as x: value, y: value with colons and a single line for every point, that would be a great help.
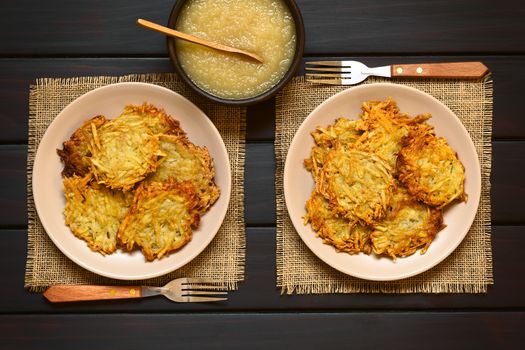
x: 224, y: 191
x: 311, y: 244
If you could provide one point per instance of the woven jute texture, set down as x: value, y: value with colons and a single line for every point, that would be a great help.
x: 223, y: 259
x: 467, y: 270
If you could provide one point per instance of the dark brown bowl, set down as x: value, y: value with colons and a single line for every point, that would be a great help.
x: 299, y: 49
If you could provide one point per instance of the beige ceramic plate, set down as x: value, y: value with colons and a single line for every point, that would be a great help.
x: 298, y: 183
x: 48, y: 190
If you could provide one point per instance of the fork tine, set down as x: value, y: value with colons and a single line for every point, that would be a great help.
x: 326, y: 63
x: 329, y: 69
x: 200, y: 280
x: 325, y: 81
x: 202, y: 299
x: 328, y: 75
x: 186, y: 290
x: 202, y: 287
x: 200, y: 292
x: 195, y: 284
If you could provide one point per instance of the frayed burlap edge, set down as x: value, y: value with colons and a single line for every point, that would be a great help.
x: 341, y: 283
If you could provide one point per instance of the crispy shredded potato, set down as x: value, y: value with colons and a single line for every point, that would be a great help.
x: 408, y: 225
x: 125, y: 151
x: 358, y: 205
x: 344, y: 235
x: 93, y: 212
x: 384, y: 127
x: 156, y: 119
x: 76, y: 152
x: 183, y: 161
x: 430, y: 169
x: 136, y: 181
x: 344, y: 132
x: 357, y: 184
x: 161, y: 218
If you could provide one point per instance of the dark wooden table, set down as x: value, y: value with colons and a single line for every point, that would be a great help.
x: 93, y: 37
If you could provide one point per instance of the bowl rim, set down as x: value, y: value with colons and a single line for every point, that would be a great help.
x: 296, y: 63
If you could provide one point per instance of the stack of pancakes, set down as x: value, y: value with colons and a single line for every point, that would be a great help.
x: 381, y: 182
x: 136, y: 180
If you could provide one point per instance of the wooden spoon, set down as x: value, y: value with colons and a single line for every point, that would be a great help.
x: 196, y: 40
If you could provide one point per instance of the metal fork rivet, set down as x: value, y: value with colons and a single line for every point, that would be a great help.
x: 419, y: 70
x: 399, y: 70
x: 132, y: 291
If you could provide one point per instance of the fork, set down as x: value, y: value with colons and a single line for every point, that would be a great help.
x: 181, y: 290
x: 353, y: 72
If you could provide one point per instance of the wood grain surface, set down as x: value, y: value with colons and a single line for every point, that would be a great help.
x: 374, y: 330
x: 333, y: 27
x: 20, y: 73
x: 259, y: 294
x: 93, y: 37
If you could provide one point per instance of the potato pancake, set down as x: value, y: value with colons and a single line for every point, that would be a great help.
x: 145, y: 184
x: 93, y: 212
x: 384, y: 128
x: 183, y: 161
x: 156, y: 119
x: 161, y: 218
x: 408, y: 225
x: 358, y: 204
x: 124, y: 151
x: 358, y: 184
x: 76, y: 152
x: 430, y: 169
x: 344, y: 235
x: 343, y: 131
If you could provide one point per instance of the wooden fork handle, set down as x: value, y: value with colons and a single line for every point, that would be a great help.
x: 63, y: 293
x: 440, y: 70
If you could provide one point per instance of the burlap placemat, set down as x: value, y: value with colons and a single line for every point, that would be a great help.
x: 223, y: 259
x: 467, y: 270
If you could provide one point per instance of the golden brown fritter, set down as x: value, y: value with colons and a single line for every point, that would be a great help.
x: 357, y: 205
x: 343, y: 132
x: 409, y: 225
x: 183, y: 161
x: 75, y: 152
x: 156, y: 119
x: 384, y: 128
x: 358, y: 184
x: 161, y: 218
x: 93, y: 212
x: 124, y: 152
x: 344, y: 235
x: 430, y: 169
x: 116, y: 155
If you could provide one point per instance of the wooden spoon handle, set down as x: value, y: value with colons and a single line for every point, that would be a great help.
x: 440, y: 70
x: 63, y: 293
x: 195, y: 39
